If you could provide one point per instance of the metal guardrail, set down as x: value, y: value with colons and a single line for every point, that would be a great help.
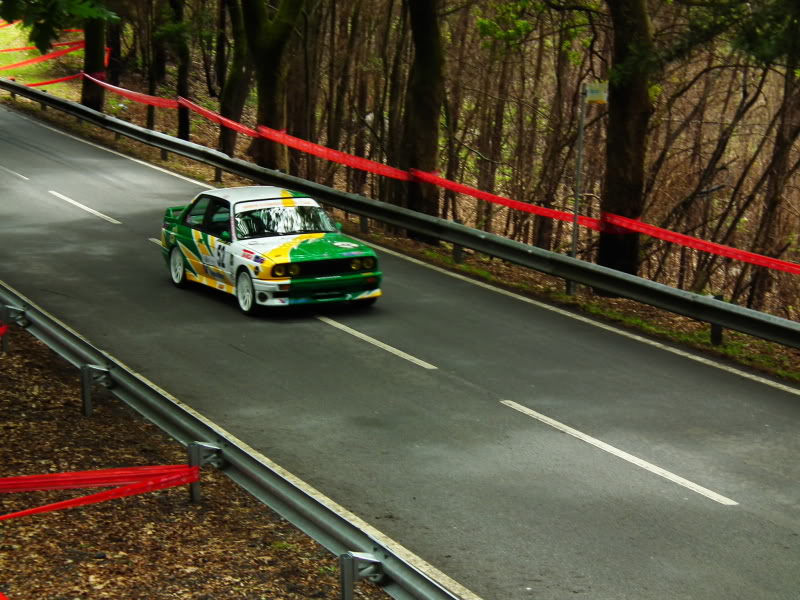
x: 696, y: 306
x: 702, y: 308
x: 361, y: 554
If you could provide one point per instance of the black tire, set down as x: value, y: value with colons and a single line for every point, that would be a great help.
x: 364, y: 303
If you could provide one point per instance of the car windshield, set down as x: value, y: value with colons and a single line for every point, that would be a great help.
x: 282, y: 220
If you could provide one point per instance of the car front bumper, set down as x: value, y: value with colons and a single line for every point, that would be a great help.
x: 345, y: 288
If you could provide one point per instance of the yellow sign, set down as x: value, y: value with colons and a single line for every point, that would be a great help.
x: 597, y: 93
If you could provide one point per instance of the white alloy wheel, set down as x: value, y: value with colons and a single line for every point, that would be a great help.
x: 245, y: 293
x: 177, y: 268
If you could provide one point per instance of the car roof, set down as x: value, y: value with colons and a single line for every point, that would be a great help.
x: 254, y: 192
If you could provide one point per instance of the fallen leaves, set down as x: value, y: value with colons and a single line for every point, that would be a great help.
x: 156, y: 546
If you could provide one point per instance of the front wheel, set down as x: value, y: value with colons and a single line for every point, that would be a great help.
x: 177, y: 267
x: 365, y: 303
x: 245, y: 293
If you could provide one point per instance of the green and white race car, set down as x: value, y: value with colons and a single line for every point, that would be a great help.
x: 268, y: 246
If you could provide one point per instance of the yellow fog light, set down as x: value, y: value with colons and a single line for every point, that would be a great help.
x: 355, y: 264
x: 369, y: 263
x: 294, y: 270
x: 279, y: 271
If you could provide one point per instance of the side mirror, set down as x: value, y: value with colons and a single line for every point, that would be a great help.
x: 225, y: 236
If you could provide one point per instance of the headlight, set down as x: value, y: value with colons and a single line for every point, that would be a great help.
x: 369, y: 263
x: 355, y: 264
x: 279, y: 271
x: 294, y: 270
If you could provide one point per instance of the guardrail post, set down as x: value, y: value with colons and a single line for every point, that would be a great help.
x: 3, y: 337
x: 217, y: 175
x: 458, y: 251
x: 90, y: 374
x: 164, y: 154
x: 363, y: 224
x: 3, y: 328
x: 716, y: 329
x: 201, y: 453
x: 355, y: 566
x: 10, y: 313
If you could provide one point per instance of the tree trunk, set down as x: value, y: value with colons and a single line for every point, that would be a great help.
x: 237, y: 83
x: 424, y: 103
x: 115, y: 61
x: 267, y: 37
x: 221, y: 47
x: 183, y: 55
x: 92, y: 95
x: 629, y: 111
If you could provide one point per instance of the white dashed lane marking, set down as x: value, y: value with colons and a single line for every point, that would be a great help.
x: 86, y: 208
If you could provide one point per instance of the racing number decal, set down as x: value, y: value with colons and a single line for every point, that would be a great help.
x: 222, y: 249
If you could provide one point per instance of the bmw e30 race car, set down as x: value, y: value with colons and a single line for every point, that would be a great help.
x: 268, y: 246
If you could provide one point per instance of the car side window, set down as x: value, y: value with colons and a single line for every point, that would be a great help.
x: 219, y: 218
x: 197, y: 212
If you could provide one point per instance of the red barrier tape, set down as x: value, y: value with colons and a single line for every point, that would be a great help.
x: 217, y: 118
x: 136, y: 96
x: 3, y: 25
x: 343, y: 158
x: 34, y: 47
x: 589, y: 222
x: 84, y: 479
x: 171, y: 476
x: 67, y: 78
x: 76, y: 46
x: 607, y: 223
x: 3, y: 329
x: 698, y: 244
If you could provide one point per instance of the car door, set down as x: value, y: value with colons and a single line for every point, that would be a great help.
x: 214, y: 242
x: 187, y: 233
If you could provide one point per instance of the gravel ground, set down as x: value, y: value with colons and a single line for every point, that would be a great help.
x: 152, y: 546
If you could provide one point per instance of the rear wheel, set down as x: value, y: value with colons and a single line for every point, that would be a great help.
x: 246, y: 293
x: 177, y: 267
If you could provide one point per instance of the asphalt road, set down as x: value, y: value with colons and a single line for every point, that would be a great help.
x: 522, y: 451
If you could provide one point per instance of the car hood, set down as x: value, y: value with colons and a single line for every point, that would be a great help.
x: 307, y: 246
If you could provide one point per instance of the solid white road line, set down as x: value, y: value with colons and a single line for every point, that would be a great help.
x: 9, y: 171
x: 695, y: 357
x: 374, y: 342
x: 86, y: 208
x: 621, y: 454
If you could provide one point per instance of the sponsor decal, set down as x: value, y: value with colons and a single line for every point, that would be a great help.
x: 345, y: 244
x: 287, y: 201
x: 247, y: 254
x: 259, y: 259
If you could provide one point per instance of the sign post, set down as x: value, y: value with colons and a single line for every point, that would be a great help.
x: 591, y: 93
